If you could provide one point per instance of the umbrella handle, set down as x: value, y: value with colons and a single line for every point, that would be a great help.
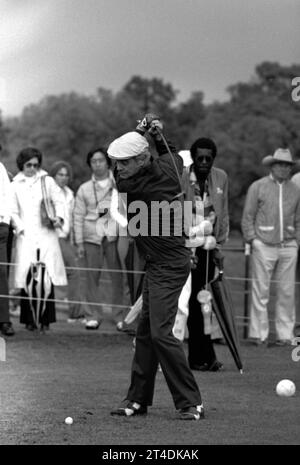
x: 38, y: 254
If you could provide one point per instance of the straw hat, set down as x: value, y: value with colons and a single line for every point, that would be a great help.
x: 279, y: 156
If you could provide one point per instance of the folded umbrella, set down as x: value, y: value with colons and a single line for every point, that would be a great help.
x: 224, y: 310
x: 38, y: 287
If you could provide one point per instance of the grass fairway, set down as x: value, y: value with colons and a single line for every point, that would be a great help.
x: 73, y: 372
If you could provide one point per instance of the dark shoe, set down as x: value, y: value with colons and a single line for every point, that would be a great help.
x: 220, y: 340
x: 7, y: 329
x: 31, y: 327
x: 191, y: 413
x: 215, y: 366
x: 123, y: 328
x: 129, y: 409
x: 44, y: 328
x: 281, y: 343
x: 257, y: 342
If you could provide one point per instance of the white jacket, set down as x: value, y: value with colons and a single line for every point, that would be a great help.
x: 26, y: 200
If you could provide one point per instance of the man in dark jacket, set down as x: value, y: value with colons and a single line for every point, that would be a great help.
x: 159, y: 238
x: 6, y: 327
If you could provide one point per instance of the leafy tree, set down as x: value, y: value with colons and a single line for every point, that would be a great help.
x: 259, y: 117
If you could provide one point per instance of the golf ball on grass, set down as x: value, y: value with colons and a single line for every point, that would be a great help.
x: 69, y: 421
x: 285, y: 388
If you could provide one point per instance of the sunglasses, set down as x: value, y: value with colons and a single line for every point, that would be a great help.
x: 32, y: 165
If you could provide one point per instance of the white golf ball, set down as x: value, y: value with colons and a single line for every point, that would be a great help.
x: 285, y: 388
x: 69, y: 421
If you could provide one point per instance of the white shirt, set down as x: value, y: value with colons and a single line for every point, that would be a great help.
x: 104, y: 183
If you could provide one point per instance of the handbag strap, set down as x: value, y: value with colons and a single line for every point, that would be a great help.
x: 45, y: 195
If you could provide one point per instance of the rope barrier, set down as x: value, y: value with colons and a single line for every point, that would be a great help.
x: 64, y: 301
x: 113, y: 270
x: 110, y: 270
x: 101, y: 304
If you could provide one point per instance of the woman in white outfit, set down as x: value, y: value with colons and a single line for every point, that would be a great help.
x: 32, y: 235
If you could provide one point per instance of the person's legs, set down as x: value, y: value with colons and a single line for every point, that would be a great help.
x: 111, y: 253
x: 145, y: 362
x: 68, y: 253
x: 5, y: 324
x: 200, y: 347
x: 164, y: 282
x: 155, y: 341
x: 285, y: 298
x: 264, y: 259
x: 297, y: 323
x: 4, y: 301
x: 94, y: 260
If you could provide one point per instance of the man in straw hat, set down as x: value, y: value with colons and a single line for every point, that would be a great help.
x: 147, y: 180
x: 296, y: 180
x: 271, y: 223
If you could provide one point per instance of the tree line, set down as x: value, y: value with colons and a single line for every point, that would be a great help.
x: 258, y: 117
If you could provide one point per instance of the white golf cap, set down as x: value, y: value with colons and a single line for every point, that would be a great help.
x: 127, y: 146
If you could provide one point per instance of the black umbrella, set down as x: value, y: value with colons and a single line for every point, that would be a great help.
x: 38, y: 287
x: 224, y: 311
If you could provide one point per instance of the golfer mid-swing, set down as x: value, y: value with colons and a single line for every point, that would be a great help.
x: 150, y: 180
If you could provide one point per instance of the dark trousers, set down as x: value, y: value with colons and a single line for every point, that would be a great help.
x: 155, y: 342
x: 73, y: 277
x: 95, y: 255
x: 4, y: 301
x: 200, y: 346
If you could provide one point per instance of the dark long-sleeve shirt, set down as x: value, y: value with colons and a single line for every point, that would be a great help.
x: 161, y: 237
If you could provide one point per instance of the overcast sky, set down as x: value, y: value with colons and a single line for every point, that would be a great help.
x: 55, y: 46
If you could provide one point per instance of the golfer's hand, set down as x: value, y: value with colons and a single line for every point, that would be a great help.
x: 156, y: 127
x: 145, y: 123
x: 80, y: 251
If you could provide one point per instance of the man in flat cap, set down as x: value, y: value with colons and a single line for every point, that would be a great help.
x: 147, y: 180
x: 271, y: 223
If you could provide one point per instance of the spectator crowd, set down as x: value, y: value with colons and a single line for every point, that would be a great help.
x: 54, y: 233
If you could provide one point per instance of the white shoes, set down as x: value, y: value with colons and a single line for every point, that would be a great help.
x: 92, y: 324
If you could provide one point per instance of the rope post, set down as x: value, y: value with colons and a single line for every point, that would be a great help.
x: 247, y: 252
